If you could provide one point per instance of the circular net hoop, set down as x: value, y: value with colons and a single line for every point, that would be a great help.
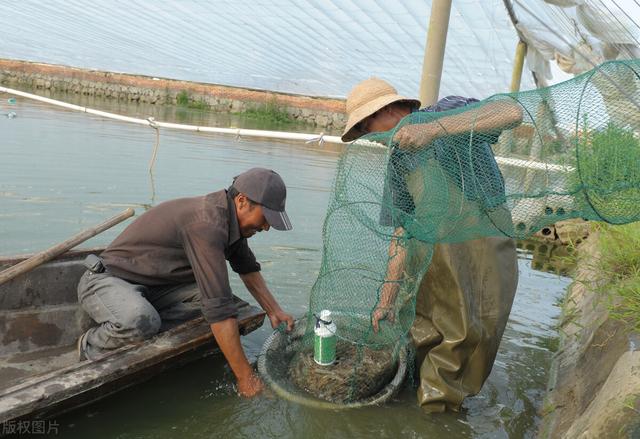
x: 280, y: 357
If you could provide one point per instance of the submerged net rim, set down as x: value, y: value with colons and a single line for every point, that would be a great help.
x: 381, y: 397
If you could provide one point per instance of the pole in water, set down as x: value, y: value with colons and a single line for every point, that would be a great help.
x: 324, y: 346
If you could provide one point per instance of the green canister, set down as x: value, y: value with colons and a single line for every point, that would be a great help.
x: 324, y: 346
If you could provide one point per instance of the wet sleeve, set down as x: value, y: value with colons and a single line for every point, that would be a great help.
x: 203, y: 243
x: 241, y: 258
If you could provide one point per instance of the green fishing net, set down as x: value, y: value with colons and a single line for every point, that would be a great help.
x: 575, y: 154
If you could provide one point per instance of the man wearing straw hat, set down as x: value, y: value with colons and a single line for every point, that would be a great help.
x: 464, y: 299
x: 170, y: 265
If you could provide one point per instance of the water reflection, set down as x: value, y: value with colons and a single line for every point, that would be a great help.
x: 548, y: 256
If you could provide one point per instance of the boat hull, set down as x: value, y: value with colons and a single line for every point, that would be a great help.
x: 40, y: 321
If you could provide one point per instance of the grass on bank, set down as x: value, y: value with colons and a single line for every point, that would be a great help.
x: 183, y: 99
x: 269, y: 112
x: 618, y: 268
x: 620, y: 259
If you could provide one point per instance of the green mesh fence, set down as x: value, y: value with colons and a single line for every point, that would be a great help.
x: 567, y: 151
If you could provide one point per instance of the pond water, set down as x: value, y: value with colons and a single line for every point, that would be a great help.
x: 63, y: 171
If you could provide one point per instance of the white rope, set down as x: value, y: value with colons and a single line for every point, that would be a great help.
x: 154, y: 155
x: 240, y: 132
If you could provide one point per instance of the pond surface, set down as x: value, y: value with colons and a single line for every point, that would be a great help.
x: 64, y: 171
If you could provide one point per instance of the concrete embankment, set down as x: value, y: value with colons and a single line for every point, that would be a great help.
x: 594, y: 390
x: 319, y: 111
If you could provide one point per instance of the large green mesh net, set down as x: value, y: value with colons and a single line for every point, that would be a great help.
x: 505, y: 166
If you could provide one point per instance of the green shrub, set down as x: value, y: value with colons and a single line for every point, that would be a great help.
x: 182, y: 98
x: 609, y: 159
x: 607, y: 171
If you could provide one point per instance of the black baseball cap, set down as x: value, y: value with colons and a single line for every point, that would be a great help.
x: 265, y: 187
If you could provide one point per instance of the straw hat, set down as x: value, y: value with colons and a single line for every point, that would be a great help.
x: 365, y: 99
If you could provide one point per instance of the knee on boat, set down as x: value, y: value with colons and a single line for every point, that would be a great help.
x: 143, y: 325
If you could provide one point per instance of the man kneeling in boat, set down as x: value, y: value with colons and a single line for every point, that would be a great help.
x: 145, y: 278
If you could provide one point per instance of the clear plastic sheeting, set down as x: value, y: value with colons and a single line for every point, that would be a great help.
x: 578, y: 34
x: 612, y: 21
x: 320, y: 47
x: 302, y: 46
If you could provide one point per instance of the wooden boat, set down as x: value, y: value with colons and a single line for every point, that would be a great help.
x: 40, y: 322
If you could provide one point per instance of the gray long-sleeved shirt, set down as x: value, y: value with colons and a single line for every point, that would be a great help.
x: 182, y: 241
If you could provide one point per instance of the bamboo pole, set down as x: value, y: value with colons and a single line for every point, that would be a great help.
x: 518, y: 64
x: 58, y: 249
x: 434, y: 51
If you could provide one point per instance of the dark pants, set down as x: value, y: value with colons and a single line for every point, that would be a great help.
x: 128, y: 313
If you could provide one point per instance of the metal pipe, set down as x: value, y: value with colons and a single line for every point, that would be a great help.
x: 434, y: 51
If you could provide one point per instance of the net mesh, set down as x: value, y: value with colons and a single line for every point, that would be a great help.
x: 567, y: 151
